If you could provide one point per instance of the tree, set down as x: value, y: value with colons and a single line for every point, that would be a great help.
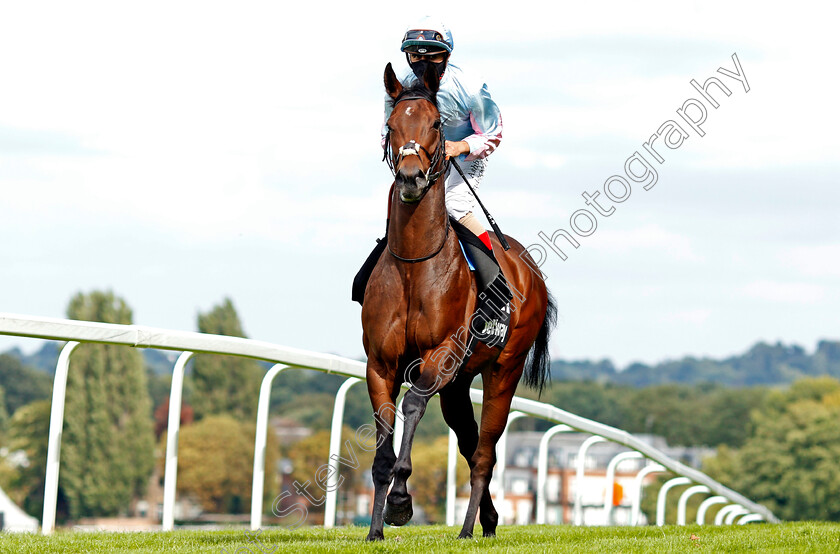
x: 224, y: 384
x: 21, y: 384
x: 703, y: 414
x: 310, y: 455
x: 675, y: 412
x: 161, y: 416
x: 789, y: 463
x: 827, y: 358
x: 29, y: 431
x: 108, y: 442
x: 726, y: 414
x: 4, y: 414
x: 216, y: 464
x: 601, y: 402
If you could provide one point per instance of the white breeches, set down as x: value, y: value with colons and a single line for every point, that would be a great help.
x: 459, y: 200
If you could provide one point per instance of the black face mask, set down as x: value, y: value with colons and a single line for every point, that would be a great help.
x: 419, y: 68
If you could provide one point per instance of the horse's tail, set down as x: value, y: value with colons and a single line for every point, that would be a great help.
x: 538, y: 364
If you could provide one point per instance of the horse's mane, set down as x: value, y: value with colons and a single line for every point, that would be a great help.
x: 417, y: 90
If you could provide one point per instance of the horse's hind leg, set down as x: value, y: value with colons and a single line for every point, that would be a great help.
x: 498, y: 393
x: 458, y: 413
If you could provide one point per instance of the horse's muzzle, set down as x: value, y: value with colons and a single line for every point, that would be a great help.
x: 412, y: 185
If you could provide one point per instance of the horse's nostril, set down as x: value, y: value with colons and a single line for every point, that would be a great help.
x: 414, y: 178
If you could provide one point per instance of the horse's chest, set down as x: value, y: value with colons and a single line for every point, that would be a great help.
x: 408, y: 314
x: 423, y: 331
x: 405, y: 329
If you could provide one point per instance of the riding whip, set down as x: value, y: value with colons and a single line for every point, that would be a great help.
x: 492, y: 221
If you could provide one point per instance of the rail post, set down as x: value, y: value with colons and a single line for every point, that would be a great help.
x: 335, y: 446
x: 663, y: 493
x: 724, y: 512
x: 54, y: 444
x: 259, y: 445
x: 451, y: 485
x: 610, y: 481
x: 636, y: 509
x: 682, y: 505
x: 399, y: 428
x: 173, y: 431
x: 501, y: 464
x: 730, y: 517
x: 706, y: 504
x: 579, y: 475
x: 542, y: 469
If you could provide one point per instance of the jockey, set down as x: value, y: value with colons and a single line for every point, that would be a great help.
x: 472, y: 126
x: 472, y: 123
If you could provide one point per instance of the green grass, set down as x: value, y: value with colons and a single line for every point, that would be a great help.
x: 787, y: 537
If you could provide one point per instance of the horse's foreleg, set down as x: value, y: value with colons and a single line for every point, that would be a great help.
x: 382, y: 396
x: 398, y: 509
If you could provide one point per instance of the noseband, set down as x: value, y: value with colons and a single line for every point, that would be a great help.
x: 412, y: 148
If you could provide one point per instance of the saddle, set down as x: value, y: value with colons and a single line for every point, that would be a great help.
x: 490, y: 324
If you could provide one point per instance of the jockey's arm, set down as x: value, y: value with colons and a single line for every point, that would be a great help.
x: 456, y: 148
x: 486, y: 121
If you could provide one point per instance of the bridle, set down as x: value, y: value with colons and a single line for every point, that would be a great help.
x: 412, y: 148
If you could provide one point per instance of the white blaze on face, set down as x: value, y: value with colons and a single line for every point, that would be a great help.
x: 408, y: 110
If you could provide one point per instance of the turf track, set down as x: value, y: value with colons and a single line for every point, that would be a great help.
x: 787, y: 537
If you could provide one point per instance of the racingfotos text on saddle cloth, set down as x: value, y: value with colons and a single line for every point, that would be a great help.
x: 639, y: 168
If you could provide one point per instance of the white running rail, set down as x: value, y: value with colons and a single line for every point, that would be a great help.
x: 184, y: 341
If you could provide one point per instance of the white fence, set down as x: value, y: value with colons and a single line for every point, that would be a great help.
x: 187, y: 342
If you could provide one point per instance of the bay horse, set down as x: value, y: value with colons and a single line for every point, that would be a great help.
x: 416, y: 313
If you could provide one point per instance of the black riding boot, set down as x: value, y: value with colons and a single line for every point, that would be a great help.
x: 492, y: 316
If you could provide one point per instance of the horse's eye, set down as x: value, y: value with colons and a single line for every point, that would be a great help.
x: 437, y: 124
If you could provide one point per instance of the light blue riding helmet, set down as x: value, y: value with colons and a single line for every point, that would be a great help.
x: 428, y: 36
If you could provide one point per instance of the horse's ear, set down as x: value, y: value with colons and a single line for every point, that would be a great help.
x: 392, y: 85
x: 431, y: 79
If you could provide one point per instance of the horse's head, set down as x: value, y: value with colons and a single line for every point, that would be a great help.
x: 414, y: 144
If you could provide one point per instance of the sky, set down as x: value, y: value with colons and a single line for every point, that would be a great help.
x: 179, y: 153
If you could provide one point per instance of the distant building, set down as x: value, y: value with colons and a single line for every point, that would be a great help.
x: 287, y: 430
x: 561, y: 485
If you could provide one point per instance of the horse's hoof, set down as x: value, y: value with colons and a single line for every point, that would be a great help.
x: 465, y: 535
x: 375, y: 536
x: 489, y: 534
x: 398, y: 514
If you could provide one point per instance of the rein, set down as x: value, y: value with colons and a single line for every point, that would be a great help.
x: 411, y: 149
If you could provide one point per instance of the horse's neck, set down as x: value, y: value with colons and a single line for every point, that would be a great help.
x: 417, y: 230
x: 436, y: 292
x: 441, y: 283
